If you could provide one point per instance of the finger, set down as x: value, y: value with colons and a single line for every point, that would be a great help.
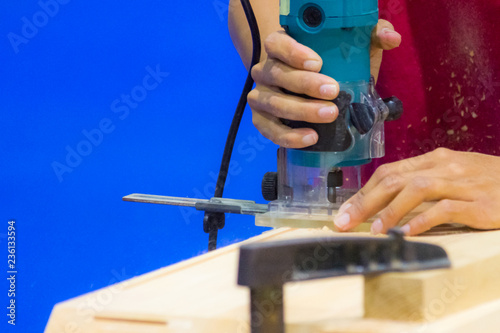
x: 283, y: 47
x: 445, y: 211
x: 384, y: 36
x: 365, y: 204
x: 291, y: 107
x: 277, y: 74
x: 391, y: 176
x: 284, y: 136
x: 419, y: 189
x: 400, y: 191
x: 404, y: 168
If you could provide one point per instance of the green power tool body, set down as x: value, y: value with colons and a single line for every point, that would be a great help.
x: 314, y: 181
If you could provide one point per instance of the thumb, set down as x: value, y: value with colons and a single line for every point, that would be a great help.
x: 384, y: 36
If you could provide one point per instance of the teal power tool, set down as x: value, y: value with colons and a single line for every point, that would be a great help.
x: 311, y: 183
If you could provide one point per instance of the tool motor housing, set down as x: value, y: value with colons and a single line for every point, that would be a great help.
x: 319, y: 178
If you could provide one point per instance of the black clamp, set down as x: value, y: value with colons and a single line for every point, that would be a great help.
x: 265, y: 267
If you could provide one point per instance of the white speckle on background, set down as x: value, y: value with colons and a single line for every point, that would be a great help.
x: 464, y: 128
x: 450, y: 132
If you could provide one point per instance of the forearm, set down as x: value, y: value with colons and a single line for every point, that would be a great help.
x: 267, y: 15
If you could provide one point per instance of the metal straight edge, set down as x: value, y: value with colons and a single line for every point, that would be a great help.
x: 163, y: 200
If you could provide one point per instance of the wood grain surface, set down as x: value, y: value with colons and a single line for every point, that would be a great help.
x: 201, y: 295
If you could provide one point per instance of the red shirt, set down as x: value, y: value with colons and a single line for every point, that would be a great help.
x: 447, y: 73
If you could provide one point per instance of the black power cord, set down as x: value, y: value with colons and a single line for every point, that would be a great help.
x: 214, y: 221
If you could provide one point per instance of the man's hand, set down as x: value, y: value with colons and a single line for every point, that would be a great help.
x: 295, y: 67
x: 465, y: 187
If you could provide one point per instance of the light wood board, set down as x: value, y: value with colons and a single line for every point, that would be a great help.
x: 201, y: 295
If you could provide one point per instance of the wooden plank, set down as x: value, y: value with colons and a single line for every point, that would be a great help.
x: 201, y: 295
x: 426, y: 296
x: 166, y: 297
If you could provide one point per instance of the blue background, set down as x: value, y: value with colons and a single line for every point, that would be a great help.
x: 74, y: 234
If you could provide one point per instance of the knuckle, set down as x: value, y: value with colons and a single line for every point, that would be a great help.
x: 389, y: 214
x: 252, y: 98
x: 270, y: 42
x: 309, y: 113
x: 260, y: 125
x: 386, y: 24
x: 357, y: 209
x: 456, y: 169
x: 274, y: 73
x: 301, y: 113
x: 295, y: 54
x: 382, y: 171
x: 309, y: 85
x: 392, y: 183
x: 407, y: 165
x: 302, y: 83
x: 447, y: 206
x: 421, y: 223
x: 256, y: 72
x: 284, y: 141
x: 275, y: 105
x: 441, y: 153
x: 421, y: 183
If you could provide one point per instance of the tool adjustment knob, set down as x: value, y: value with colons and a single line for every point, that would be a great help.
x: 363, y: 117
x: 312, y: 16
x: 270, y: 186
x: 395, y: 108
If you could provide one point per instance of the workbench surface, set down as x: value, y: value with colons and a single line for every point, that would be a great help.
x: 201, y: 295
